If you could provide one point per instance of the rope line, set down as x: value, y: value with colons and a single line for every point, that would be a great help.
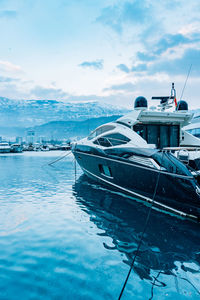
x: 144, y: 229
x: 195, y: 288
x: 186, y: 81
x: 176, y: 282
x: 59, y: 158
x: 153, y: 284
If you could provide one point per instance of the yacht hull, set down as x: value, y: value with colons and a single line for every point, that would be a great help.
x: 4, y: 150
x: 175, y: 194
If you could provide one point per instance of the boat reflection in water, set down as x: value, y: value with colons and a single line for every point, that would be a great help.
x: 170, y: 246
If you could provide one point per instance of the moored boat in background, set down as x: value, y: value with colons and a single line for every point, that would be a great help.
x: 4, y: 147
x: 16, y: 148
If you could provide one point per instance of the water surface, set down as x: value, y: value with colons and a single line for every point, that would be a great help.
x: 63, y: 236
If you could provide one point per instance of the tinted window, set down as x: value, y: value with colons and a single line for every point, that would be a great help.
x: 160, y: 135
x: 195, y: 131
x: 152, y: 134
x: 103, y: 142
x: 141, y: 130
x: 100, y: 130
x: 164, y: 136
x: 113, y: 139
x: 117, y: 139
x: 174, y: 136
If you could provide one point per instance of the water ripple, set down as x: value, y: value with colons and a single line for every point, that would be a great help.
x: 67, y: 239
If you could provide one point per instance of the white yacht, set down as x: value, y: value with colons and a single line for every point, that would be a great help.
x: 147, y: 155
x: 16, y: 148
x: 4, y: 147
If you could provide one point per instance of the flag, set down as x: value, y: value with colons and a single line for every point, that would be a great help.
x: 175, y: 101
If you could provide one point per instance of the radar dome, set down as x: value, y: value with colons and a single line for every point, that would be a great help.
x: 182, y: 105
x: 140, y: 103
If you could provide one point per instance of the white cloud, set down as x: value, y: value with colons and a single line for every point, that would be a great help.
x: 191, y: 28
x: 9, y: 67
x: 50, y: 93
x: 143, y: 47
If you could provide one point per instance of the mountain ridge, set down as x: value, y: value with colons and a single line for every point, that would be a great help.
x: 59, y: 129
x: 27, y: 113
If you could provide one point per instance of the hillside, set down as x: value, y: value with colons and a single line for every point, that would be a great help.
x: 59, y: 129
x: 28, y: 113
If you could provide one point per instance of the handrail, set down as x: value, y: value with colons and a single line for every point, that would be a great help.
x: 189, y: 148
x: 114, y: 139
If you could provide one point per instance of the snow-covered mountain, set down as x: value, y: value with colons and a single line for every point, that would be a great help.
x: 28, y: 113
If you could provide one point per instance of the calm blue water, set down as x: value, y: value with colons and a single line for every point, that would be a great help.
x: 62, y: 238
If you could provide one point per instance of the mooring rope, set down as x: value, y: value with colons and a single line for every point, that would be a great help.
x: 176, y: 283
x: 59, y: 158
x: 179, y: 277
x: 153, y: 284
x: 144, y: 229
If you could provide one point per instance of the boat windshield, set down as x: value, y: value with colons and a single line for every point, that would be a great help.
x: 113, y: 139
x: 195, y: 132
x: 100, y: 130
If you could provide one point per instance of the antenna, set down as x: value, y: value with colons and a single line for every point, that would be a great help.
x: 173, y: 91
x: 186, y: 81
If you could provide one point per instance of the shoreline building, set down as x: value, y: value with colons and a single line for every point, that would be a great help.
x: 30, y: 137
x: 19, y: 140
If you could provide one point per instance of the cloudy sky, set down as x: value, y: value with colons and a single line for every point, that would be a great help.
x: 106, y: 50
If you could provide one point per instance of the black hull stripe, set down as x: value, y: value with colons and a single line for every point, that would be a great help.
x: 147, y: 199
x: 137, y: 166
